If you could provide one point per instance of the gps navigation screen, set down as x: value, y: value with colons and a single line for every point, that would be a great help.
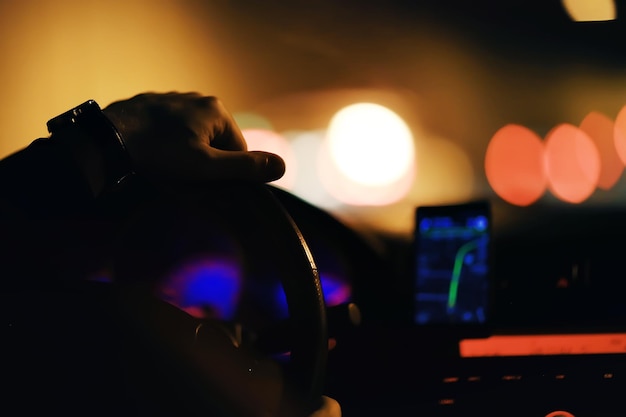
x: 451, y: 264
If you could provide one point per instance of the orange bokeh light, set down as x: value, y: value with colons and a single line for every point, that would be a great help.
x: 619, y: 134
x: 572, y: 163
x: 514, y: 165
x: 600, y: 129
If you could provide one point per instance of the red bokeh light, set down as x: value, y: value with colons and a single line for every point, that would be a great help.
x: 514, y: 165
x: 619, y: 134
x: 572, y: 163
x: 600, y: 129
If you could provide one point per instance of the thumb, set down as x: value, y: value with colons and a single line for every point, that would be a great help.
x: 245, y: 165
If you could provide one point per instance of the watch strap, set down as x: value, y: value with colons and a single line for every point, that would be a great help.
x: 89, y: 118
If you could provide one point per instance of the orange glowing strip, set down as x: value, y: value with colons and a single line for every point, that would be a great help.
x: 537, y: 345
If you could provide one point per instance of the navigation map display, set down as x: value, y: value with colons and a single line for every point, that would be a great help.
x: 452, y: 264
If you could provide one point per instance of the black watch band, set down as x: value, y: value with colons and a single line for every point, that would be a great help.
x: 89, y: 118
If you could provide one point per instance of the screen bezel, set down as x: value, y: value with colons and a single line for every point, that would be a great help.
x: 457, y: 330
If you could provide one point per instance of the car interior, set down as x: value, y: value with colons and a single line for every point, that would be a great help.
x: 474, y: 270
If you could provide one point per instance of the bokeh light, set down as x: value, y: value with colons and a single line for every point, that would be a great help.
x: 619, y: 134
x: 367, y: 156
x: 600, y: 129
x: 270, y: 141
x: 355, y: 193
x: 572, y: 163
x: 370, y: 144
x: 590, y: 10
x: 514, y: 165
x: 307, y: 147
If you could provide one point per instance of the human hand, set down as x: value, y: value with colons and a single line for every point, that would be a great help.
x: 188, y: 137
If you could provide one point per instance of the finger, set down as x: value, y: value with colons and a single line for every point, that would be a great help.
x: 242, y: 165
x: 231, y: 139
x: 228, y: 136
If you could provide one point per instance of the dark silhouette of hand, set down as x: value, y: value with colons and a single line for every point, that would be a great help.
x: 188, y: 137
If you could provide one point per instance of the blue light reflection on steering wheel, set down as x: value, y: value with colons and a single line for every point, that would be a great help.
x: 336, y: 291
x: 206, y: 286
x: 210, y: 286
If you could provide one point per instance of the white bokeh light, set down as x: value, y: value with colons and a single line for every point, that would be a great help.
x: 370, y: 144
x: 352, y: 193
x: 307, y: 147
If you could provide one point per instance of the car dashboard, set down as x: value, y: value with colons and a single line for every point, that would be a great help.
x: 554, y: 344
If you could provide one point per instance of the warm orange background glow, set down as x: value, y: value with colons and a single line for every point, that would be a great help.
x: 453, y: 87
x: 57, y: 54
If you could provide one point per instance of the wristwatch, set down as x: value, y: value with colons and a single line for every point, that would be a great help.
x: 89, y: 118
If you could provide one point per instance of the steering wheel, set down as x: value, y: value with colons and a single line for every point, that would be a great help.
x: 206, y: 352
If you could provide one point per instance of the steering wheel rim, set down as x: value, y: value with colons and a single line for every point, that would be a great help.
x: 241, y: 206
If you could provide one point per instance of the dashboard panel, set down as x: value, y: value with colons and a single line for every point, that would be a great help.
x: 554, y: 344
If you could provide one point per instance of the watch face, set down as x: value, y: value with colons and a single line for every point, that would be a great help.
x: 72, y: 117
